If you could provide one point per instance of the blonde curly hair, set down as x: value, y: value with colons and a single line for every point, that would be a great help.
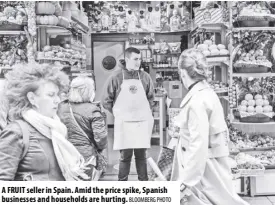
x: 82, y: 90
x: 25, y: 78
x: 194, y: 62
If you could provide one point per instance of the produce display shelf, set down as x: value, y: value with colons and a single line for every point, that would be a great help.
x: 210, y: 27
x: 270, y: 166
x: 12, y: 32
x: 59, y: 59
x: 218, y: 60
x: 79, y: 73
x: 166, y: 54
x: 141, y: 32
x: 165, y: 69
x: 252, y: 172
x: 268, y: 127
x: 256, y: 149
x: 55, y: 30
x: 253, y: 75
x: 5, y: 68
x: 253, y: 29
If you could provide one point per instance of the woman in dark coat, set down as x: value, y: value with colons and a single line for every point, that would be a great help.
x: 87, y: 129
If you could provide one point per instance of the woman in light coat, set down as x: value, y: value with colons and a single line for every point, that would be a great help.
x: 202, y: 163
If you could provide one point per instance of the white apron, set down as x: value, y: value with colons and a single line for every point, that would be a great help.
x: 133, y: 117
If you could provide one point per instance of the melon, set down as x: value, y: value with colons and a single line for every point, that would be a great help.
x: 242, y: 108
x: 250, y: 109
x: 215, y: 52
x: 266, y: 108
x: 259, y: 109
x: 251, y: 102
x: 206, y: 52
x: 258, y: 97
x: 248, y: 97
x: 266, y: 102
x: 224, y: 52
x: 244, y: 102
x: 202, y: 47
x: 259, y: 102
x: 221, y: 46
x: 213, y: 47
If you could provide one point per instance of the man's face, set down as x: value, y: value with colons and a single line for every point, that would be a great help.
x: 133, y: 62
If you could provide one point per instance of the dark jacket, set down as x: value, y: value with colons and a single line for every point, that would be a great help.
x: 92, y: 122
x: 39, y: 163
x: 112, y: 87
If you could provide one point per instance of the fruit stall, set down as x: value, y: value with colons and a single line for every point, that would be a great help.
x: 252, y: 126
x: 46, y: 32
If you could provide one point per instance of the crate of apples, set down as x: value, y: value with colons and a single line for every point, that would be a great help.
x: 256, y: 108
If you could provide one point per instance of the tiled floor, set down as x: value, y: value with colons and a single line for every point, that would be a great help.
x: 263, y: 200
x: 112, y: 171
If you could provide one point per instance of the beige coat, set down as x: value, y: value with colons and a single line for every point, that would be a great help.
x: 202, y: 153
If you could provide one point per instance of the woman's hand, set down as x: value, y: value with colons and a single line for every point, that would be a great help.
x: 173, y: 143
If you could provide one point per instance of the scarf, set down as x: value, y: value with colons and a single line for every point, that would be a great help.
x: 70, y: 161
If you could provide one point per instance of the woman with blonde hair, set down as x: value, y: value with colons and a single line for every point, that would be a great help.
x: 202, y: 162
x: 34, y: 145
x: 87, y: 129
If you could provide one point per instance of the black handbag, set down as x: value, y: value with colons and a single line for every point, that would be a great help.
x: 165, y: 162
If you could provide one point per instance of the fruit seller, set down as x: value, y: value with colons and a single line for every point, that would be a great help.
x: 202, y: 162
x: 129, y: 96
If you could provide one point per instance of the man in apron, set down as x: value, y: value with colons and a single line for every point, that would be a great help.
x: 129, y: 96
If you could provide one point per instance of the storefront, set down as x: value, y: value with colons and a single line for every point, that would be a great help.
x: 237, y: 39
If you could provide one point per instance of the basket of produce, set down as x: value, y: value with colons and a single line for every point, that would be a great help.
x: 255, y: 142
x: 210, y: 49
x: 254, y: 14
x: 13, y: 18
x: 255, y: 109
x: 253, y: 52
x: 248, y: 67
x: 249, y: 165
x: 253, y: 61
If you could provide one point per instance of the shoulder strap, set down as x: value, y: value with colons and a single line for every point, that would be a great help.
x: 84, y: 133
x: 72, y: 114
x: 26, y: 136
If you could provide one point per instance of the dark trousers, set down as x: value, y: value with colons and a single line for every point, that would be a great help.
x: 125, y: 164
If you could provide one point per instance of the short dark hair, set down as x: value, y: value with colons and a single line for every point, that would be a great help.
x: 131, y: 50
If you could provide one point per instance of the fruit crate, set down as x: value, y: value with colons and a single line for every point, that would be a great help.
x: 257, y: 118
x: 255, y: 21
x: 251, y: 172
x: 250, y: 68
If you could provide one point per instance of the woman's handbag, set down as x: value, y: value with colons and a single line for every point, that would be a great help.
x: 166, y: 159
x: 101, y: 161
